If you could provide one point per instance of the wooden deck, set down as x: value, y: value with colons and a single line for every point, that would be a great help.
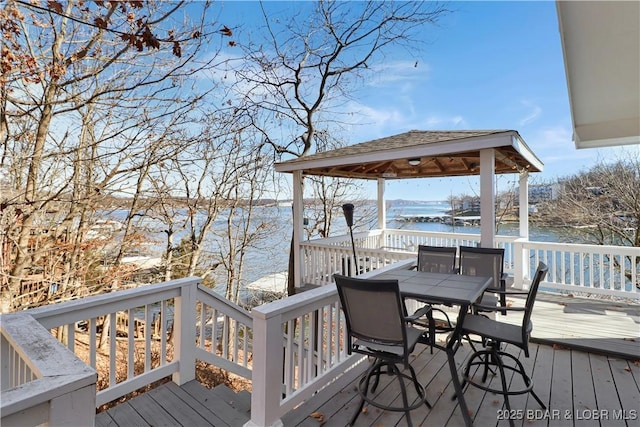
x: 590, y: 324
x: 572, y: 383
x: 190, y: 405
x: 596, y: 388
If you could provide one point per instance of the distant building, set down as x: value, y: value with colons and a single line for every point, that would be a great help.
x: 466, y: 203
x: 543, y: 193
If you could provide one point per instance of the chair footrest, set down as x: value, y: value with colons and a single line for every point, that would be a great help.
x: 375, y: 370
x: 486, y: 359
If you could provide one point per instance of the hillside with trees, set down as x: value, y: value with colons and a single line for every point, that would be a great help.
x: 177, y: 116
x: 602, y: 203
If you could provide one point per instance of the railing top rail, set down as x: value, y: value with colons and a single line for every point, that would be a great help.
x: 343, y: 237
x: 58, y: 370
x: 294, y: 302
x: 320, y: 295
x: 391, y: 231
x: 227, y: 307
x: 626, y: 250
x: 128, y: 298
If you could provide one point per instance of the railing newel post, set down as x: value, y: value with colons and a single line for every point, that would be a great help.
x: 520, y: 259
x: 268, y: 369
x: 184, y: 333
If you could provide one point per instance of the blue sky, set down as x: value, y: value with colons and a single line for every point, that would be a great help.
x: 487, y: 65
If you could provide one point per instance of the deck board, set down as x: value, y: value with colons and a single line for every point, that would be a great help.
x: 568, y: 381
x: 566, y: 377
x: 561, y: 386
x: 591, y: 324
x: 562, y: 379
x: 584, y: 397
x: 152, y: 412
x: 124, y: 414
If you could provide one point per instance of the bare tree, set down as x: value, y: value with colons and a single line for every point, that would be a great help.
x: 87, y: 89
x: 247, y: 224
x: 294, y: 81
x: 602, y: 204
x: 603, y: 201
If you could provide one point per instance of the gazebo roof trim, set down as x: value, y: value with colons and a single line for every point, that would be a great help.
x: 441, y: 153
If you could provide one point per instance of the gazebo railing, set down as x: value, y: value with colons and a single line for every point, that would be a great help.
x: 612, y: 271
x: 580, y: 268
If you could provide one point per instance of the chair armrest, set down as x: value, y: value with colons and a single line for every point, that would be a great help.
x: 496, y: 308
x: 418, y: 314
x: 513, y: 292
x: 503, y: 285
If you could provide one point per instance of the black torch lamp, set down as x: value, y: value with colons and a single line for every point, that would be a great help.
x: 347, y: 209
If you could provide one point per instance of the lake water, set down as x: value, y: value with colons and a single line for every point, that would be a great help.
x: 537, y: 233
x: 271, y: 255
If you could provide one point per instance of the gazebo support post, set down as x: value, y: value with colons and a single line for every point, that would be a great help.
x: 382, y: 206
x: 523, y: 215
x: 298, y: 226
x: 487, y: 198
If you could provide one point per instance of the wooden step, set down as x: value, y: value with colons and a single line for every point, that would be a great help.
x: 218, y: 403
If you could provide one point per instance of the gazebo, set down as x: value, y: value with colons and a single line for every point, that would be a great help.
x: 422, y: 154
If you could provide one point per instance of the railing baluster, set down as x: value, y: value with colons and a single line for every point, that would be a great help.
x: 92, y: 332
x: 148, y: 331
x: 131, y: 345
x: 164, y: 325
x: 245, y: 345
x: 300, y: 362
x: 112, y: 348
x: 235, y: 340
x: 288, y: 357
x: 71, y: 337
x: 203, y: 325
x: 225, y: 337
x: 15, y: 363
x: 311, y: 346
x: 214, y: 331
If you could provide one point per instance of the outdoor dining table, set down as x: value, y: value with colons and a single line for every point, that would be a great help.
x: 449, y: 289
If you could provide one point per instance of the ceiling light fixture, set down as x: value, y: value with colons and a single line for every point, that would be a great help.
x: 414, y: 162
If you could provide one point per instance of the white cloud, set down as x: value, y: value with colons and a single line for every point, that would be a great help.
x: 368, y: 122
x: 533, y: 113
x: 392, y: 73
x: 438, y: 122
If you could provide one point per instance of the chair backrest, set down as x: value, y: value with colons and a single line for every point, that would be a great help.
x: 483, y: 262
x: 436, y: 259
x: 373, y: 310
x: 540, y: 274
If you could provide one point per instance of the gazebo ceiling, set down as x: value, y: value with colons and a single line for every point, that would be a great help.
x: 420, y: 154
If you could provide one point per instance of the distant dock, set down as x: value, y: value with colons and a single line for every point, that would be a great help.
x: 443, y: 219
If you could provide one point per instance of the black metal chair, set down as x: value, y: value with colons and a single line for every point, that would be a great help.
x: 378, y: 326
x: 494, y: 334
x: 486, y: 262
x: 437, y: 259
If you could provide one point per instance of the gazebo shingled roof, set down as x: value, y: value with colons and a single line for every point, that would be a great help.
x: 440, y: 153
x: 420, y: 154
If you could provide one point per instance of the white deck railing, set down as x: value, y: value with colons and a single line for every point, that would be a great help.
x: 299, y: 349
x: 590, y: 269
x: 182, y: 321
x: 42, y: 382
x: 585, y: 269
x: 225, y: 326
x: 289, y: 348
x: 82, y: 325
